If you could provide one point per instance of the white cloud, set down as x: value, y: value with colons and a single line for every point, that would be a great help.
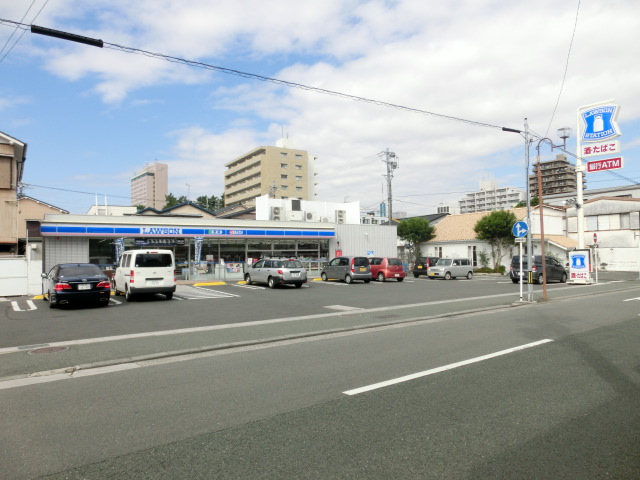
x: 483, y: 60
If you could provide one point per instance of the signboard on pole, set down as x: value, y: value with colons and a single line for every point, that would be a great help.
x: 604, y: 164
x: 599, y: 122
x: 602, y: 148
x: 580, y: 266
x: 520, y: 229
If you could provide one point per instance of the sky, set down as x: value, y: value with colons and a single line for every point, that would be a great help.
x: 439, y: 80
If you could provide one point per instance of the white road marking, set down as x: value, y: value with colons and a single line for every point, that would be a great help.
x: 451, y: 366
x: 631, y: 299
x: 342, y: 308
x: 22, y: 382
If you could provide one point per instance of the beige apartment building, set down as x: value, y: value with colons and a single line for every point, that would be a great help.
x: 558, y: 177
x: 13, y: 154
x: 150, y: 186
x: 280, y: 172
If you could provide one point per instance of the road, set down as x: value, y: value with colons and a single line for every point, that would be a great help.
x: 475, y: 405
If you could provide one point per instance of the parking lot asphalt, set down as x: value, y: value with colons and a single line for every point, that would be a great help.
x: 72, y: 357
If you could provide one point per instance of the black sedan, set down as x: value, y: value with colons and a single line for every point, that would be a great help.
x: 76, y: 283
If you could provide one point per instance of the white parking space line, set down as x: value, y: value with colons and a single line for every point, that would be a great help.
x: 250, y: 287
x: 451, y: 366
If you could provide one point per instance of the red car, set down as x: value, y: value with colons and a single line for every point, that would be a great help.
x: 387, y: 267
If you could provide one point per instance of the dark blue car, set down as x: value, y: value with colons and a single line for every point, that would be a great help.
x: 76, y: 283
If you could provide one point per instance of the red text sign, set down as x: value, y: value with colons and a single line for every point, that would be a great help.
x: 606, y: 164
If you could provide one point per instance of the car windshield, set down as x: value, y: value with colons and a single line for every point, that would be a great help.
x: 292, y: 264
x: 80, y: 270
x: 361, y: 262
x: 395, y: 261
x: 444, y: 262
x: 153, y: 260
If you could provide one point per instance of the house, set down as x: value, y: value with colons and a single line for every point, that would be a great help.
x: 455, y: 236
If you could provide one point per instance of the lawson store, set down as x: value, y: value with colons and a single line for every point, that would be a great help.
x: 203, y: 248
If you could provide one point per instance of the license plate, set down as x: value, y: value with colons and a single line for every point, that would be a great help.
x: 84, y: 286
x: 153, y: 283
x: 295, y: 274
x: 431, y: 274
x: 419, y: 267
x: 363, y: 269
x: 397, y: 275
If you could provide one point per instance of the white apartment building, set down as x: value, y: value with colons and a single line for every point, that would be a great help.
x: 491, y: 197
x: 150, y: 186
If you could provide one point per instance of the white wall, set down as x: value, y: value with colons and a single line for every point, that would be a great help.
x: 319, y: 211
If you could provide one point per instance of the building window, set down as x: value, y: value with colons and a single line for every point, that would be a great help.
x: 283, y: 176
x: 625, y: 220
x: 283, y: 154
x: 284, y: 187
x: 299, y: 156
x: 298, y: 178
x: 298, y: 189
x: 284, y: 165
x: 298, y: 167
x: 439, y: 252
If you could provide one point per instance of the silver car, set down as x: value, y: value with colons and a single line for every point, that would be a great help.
x: 449, y: 268
x: 347, y: 269
x: 276, y: 271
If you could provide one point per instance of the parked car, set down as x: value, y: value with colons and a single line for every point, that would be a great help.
x: 76, y: 283
x: 422, y: 265
x: 274, y: 272
x: 555, y: 270
x: 347, y: 269
x: 145, y: 271
x: 386, y: 267
x: 449, y: 268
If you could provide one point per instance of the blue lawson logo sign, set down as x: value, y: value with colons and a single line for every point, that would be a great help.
x: 520, y: 229
x: 600, y: 123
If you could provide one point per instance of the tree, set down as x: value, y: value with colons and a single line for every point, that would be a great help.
x: 534, y: 203
x: 495, y: 228
x: 416, y: 231
x: 211, y: 203
x: 171, y: 200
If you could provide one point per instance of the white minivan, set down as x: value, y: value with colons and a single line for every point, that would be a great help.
x: 145, y: 271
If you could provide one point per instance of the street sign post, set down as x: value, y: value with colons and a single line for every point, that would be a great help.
x: 519, y: 231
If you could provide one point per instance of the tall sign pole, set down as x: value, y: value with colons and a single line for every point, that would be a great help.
x: 527, y: 142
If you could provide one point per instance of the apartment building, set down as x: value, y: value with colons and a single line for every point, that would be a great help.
x: 150, y: 186
x: 280, y: 172
x: 558, y: 176
x: 491, y: 197
x: 13, y: 154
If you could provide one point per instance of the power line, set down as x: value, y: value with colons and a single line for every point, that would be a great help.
x: 230, y: 71
x: 23, y: 30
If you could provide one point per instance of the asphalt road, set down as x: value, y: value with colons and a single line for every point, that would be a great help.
x: 564, y: 408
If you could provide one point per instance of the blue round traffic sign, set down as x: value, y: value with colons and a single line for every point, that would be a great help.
x: 520, y: 229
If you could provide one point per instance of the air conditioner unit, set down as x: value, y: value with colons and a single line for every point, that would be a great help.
x: 310, y: 216
x: 275, y: 213
x: 325, y: 219
x: 341, y: 216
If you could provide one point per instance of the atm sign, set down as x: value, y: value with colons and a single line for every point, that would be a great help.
x: 607, y: 164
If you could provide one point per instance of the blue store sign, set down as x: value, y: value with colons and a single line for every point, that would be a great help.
x: 599, y: 123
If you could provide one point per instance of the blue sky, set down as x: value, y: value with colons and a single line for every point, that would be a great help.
x: 92, y: 117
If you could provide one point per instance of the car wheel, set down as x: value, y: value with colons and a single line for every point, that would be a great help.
x: 515, y: 280
x: 367, y: 281
x: 169, y: 295
x: 127, y: 295
x: 247, y: 279
x: 400, y: 279
x: 469, y: 275
x: 52, y: 300
x: 271, y: 282
x: 104, y: 304
x: 298, y: 285
x: 348, y: 279
x: 447, y: 276
x: 563, y: 278
x: 323, y: 276
x: 415, y: 275
x: 540, y: 279
x: 381, y: 277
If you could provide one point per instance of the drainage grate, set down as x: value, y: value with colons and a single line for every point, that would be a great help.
x: 49, y: 350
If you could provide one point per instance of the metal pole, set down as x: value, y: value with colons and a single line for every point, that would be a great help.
x: 521, y: 277
x: 540, y: 207
x: 527, y: 142
x: 579, y: 193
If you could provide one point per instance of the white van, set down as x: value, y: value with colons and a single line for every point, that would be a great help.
x: 145, y: 271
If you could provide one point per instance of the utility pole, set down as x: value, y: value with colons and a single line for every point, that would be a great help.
x: 392, y: 163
